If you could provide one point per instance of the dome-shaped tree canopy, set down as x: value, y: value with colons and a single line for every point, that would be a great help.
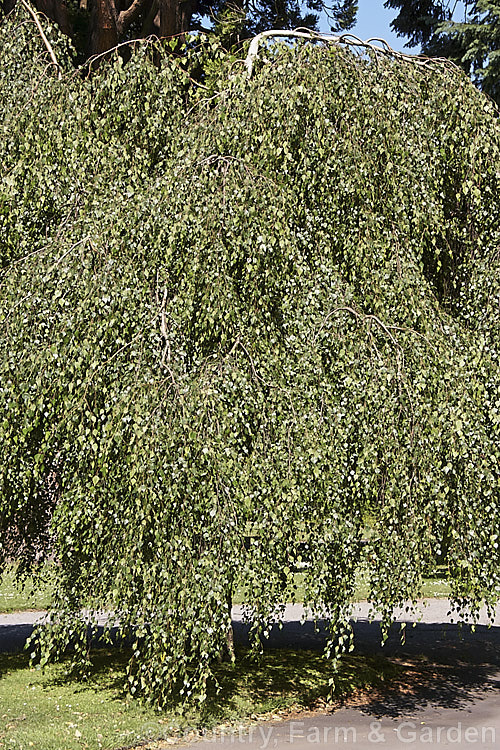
x: 237, y: 320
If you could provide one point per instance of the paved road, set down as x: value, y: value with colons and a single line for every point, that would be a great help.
x: 451, y: 699
x: 17, y: 626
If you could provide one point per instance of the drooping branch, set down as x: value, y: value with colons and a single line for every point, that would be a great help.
x: 48, y: 45
x: 253, y: 50
x: 129, y: 43
x: 349, y: 40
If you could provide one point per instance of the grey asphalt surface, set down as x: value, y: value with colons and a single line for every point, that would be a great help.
x: 450, y: 698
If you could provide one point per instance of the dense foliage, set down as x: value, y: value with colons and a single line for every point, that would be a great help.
x: 472, y: 40
x: 267, y: 311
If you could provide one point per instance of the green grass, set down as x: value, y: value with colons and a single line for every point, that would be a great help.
x: 13, y: 599
x: 46, y: 710
x: 434, y: 586
x: 50, y: 711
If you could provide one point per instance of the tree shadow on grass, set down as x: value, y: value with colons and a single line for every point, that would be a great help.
x: 446, y: 666
x: 441, y: 666
x: 107, y: 671
x: 275, y: 680
x: 280, y: 678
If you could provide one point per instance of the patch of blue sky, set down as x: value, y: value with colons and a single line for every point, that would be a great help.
x: 375, y: 21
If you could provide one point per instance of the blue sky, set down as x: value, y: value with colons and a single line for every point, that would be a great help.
x: 374, y: 20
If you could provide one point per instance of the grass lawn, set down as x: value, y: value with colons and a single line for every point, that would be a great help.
x: 45, y: 710
x: 14, y: 599
x: 435, y: 586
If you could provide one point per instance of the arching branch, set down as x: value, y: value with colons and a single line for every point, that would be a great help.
x: 48, y: 45
x: 344, y: 39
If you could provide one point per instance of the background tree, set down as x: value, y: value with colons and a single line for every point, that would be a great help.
x: 98, y: 25
x: 343, y: 14
x: 418, y: 19
x: 478, y: 45
x: 472, y: 42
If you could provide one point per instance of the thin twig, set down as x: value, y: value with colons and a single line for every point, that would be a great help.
x: 67, y: 252
x: 385, y: 327
x: 88, y: 63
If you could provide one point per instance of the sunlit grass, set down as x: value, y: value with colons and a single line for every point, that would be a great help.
x: 13, y: 598
x: 50, y: 711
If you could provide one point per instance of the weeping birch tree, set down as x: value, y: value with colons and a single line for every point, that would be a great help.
x: 241, y: 327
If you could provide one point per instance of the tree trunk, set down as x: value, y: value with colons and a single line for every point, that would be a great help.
x: 229, y: 646
x: 104, y: 30
x: 168, y: 17
x: 57, y: 12
x: 150, y: 14
x: 175, y: 17
x: 186, y: 10
x: 227, y: 651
